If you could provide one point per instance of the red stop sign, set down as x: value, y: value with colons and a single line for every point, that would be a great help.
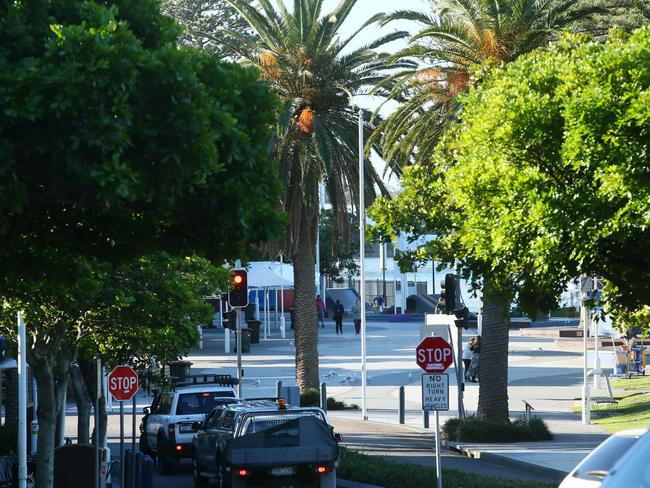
x: 123, y: 382
x: 434, y: 355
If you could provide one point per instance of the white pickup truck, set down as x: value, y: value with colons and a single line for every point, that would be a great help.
x: 166, y: 429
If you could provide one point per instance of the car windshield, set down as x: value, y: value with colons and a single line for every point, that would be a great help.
x: 265, y: 422
x: 632, y: 469
x: 201, y: 402
x: 604, y: 457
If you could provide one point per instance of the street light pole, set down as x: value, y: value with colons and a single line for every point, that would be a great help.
x: 362, y: 255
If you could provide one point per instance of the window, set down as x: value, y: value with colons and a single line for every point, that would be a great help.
x: 227, y: 420
x: 197, y: 403
x: 213, y: 419
x: 165, y: 405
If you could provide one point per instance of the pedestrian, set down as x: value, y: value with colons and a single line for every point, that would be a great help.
x: 467, y: 356
x: 338, y: 316
x: 320, y: 310
x: 356, y: 316
x: 475, y: 362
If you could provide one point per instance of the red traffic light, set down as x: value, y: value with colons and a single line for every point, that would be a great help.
x: 238, y: 295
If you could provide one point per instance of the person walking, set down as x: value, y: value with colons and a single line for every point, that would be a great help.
x: 356, y: 316
x: 338, y: 316
x: 320, y: 310
x: 467, y: 356
x: 476, y: 356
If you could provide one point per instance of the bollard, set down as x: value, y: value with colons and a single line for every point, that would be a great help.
x: 200, y: 331
x: 323, y: 396
x: 146, y: 481
x: 278, y: 389
x: 425, y: 418
x: 401, y: 405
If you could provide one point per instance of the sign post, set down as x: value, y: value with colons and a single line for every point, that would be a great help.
x: 434, y: 355
x: 123, y: 385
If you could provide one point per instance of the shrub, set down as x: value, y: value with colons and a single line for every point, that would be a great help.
x: 474, y: 429
x: 311, y: 398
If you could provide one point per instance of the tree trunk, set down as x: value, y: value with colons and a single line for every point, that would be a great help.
x: 493, y: 362
x: 306, y: 326
x: 50, y: 396
x: 82, y: 399
x: 87, y: 368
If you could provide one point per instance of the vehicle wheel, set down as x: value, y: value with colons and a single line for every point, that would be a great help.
x: 198, y: 479
x: 166, y: 463
x: 144, y: 445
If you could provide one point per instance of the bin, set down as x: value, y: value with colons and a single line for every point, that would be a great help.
x: 254, y: 326
x: 179, y: 369
x: 245, y: 340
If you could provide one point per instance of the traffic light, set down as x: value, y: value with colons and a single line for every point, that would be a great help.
x: 448, y: 287
x: 230, y: 320
x: 462, y: 318
x: 238, y: 295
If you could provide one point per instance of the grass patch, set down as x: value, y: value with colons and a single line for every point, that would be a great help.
x: 633, y: 383
x: 473, y: 429
x: 376, y: 470
x: 311, y: 398
x: 633, y: 412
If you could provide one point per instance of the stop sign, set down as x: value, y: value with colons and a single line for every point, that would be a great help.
x: 123, y: 382
x: 434, y: 355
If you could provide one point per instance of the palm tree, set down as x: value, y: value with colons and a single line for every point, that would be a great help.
x: 456, y: 40
x: 299, y: 53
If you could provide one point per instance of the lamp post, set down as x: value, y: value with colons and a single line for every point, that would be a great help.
x: 362, y: 284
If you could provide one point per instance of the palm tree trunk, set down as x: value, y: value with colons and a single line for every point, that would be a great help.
x: 493, y: 363
x: 306, y: 319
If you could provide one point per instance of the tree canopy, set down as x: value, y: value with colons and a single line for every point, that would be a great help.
x: 116, y: 142
x: 546, y: 176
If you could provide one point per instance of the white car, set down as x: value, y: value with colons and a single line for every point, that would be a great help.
x: 167, y: 428
x: 593, y: 471
x: 632, y: 470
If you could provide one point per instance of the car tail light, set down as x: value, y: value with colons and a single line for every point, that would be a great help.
x: 243, y: 472
x: 323, y: 469
x: 179, y: 447
x: 171, y: 432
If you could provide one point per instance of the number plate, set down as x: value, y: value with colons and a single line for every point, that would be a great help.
x: 283, y: 471
x: 185, y: 428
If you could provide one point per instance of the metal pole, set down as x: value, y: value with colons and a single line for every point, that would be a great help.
x: 317, y: 270
x: 459, y: 373
x: 60, y: 419
x: 323, y: 396
x: 282, y: 324
x: 98, y: 394
x: 226, y: 332
x: 122, y: 443
x: 596, y: 341
x: 586, y: 402
x: 278, y: 389
x: 266, y: 299
x: 22, y: 403
x: 401, y: 412
x: 438, y: 461
x: 133, y: 445
x: 239, y: 376
x: 362, y: 255
x: 425, y: 418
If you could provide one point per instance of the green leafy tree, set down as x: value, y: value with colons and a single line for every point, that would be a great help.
x: 545, y: 178
x: 301, y: 56
x: 115, y: 144
x: 205, y: 24
x: 146, y: 314
x: 457, y: 37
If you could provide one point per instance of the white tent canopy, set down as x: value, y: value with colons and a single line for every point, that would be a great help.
x: 260, y: 275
